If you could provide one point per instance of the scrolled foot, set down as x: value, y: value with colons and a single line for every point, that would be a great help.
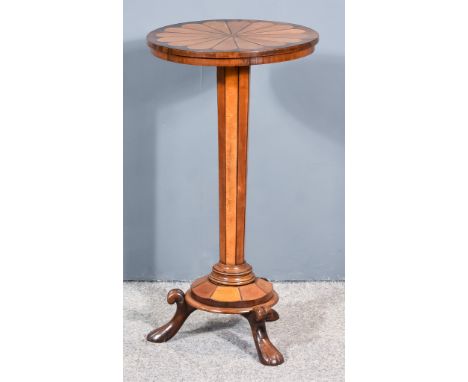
x: 267, y: 352
x: 272, y: 315
x: 169, y: 330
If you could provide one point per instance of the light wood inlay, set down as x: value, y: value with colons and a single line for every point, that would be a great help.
x: 244, y: 44
x: 251, y: 292
x: 226, y: 43
x: 218, y: 25
x: 232, y: 98
x: 237, y: 26
x: 231, y: 39
x: 232, y: 35
x: 226, y: 294
x: 257, y: 26
x: 276, y: 27
x: 242, y: 136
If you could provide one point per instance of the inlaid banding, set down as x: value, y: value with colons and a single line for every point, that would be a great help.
x: 233, y: 35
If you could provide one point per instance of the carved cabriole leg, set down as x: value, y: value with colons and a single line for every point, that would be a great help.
x: 166, y: 332
x: 267, y: 352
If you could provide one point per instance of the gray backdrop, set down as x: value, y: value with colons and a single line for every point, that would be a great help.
x: 295, y: 195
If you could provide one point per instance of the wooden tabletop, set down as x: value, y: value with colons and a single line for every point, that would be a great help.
x: 232, y: 42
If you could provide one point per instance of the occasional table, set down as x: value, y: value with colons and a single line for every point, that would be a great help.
x: 232, y: 46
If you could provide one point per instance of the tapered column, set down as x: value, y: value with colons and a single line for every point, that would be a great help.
x: 233, y: 112
x: 233, y: 115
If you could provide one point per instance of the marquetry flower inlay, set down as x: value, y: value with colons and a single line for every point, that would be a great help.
x: 233, y: 35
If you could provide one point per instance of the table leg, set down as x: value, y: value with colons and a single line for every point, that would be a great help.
x: 169, y: 330
x: 267, y: 352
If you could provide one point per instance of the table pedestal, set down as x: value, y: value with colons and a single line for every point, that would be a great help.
x: 231, y: 287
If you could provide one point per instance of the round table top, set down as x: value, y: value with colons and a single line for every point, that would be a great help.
x: 232, y: 42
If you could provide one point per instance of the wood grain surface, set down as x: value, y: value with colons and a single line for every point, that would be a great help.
x: 233, y: 110
x: 232, y: 42
x: 256, y: 293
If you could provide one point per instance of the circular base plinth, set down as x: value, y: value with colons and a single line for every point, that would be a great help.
x: 226, y: 310
x: 234, y: 275
x: 208, y: 296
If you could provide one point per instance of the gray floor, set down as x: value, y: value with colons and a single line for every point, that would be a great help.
x: 215, y: 347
